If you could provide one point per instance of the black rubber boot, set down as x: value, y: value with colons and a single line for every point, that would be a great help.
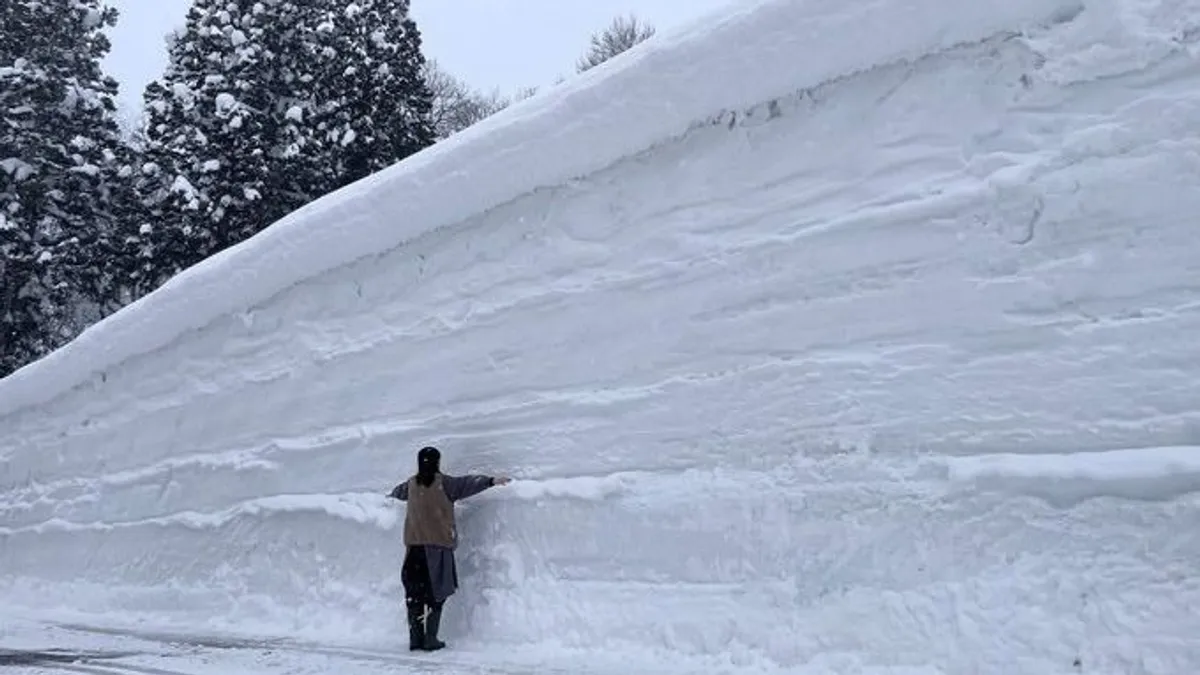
x: 432, y: 623
x: 416, y: 625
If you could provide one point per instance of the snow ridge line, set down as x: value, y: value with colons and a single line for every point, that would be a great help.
x: 1062, y: 480
x: 356, y: 507
x: 747, y: 55
x: 236, y: 460
x: 362, y: 507
x: 374, y: 508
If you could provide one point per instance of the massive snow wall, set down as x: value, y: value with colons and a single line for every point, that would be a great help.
x: 826, y: 335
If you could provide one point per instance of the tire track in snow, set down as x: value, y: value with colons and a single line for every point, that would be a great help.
x: 196, y: 652
x: 293, y: 655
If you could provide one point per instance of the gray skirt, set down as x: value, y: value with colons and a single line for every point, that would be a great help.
x: 429, y: 574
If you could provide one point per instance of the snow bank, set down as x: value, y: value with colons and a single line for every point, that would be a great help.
x: 1154, y: 474
x: 720, y: 371
x: 586, y: 487
x: 365, y: 509
x: 614, y: 111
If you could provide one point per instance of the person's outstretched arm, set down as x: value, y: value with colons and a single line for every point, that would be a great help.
x: 400, y: 492
x: 461, y: 487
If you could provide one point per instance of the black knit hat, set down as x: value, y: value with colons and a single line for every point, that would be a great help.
x: 429, y: 455
x: 428, y: 464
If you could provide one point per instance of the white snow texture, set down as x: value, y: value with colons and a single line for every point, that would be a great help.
x: 822, y: 336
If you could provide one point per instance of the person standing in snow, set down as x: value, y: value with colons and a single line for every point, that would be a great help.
x: 430, y: 537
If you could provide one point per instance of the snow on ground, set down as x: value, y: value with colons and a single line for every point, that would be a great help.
x: 33, y: 648
x: 829, y: 338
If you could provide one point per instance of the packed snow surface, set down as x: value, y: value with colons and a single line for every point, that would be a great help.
x: 821, y: 337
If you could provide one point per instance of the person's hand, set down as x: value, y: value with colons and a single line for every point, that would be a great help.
x: 501, y: 480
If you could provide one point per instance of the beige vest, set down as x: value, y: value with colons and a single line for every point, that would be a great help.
x: 430, y: 515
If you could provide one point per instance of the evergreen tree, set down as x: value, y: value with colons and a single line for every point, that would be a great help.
x: 371, y: 103
x: 265, y: 107
x: 59, y: 166
x: 204, y: 182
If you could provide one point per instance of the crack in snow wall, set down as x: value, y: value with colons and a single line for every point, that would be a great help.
x: 748, y: 55
x: 896, y: 372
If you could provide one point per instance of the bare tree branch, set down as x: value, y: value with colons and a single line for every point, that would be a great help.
x: 455, y: 105
x: 620, y: 35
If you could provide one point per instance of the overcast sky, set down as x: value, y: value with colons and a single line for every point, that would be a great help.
x: 504, y: 44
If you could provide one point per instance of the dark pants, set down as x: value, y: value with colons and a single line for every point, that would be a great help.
x: 419, y: 596
x: 418, y: 584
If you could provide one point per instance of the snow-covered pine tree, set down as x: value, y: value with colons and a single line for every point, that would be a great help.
x: 371, y: 105
x: 205, y: 180
x: 266, y: 106
x: 59, y: 142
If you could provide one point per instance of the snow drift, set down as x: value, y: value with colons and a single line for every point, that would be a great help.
x: 846, y: 336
